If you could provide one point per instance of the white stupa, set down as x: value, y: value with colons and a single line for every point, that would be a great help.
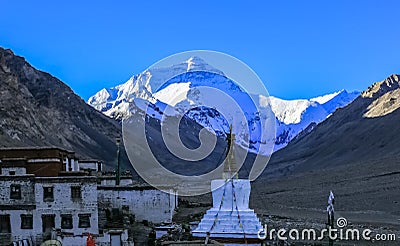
x: 230, y: 216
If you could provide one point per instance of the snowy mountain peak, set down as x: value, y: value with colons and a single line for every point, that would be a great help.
x: 178, y: 85
x: 102, y: 95
x: 323, y: 99
x: 194, y: 61
x: 289, y: 111
x: 293, y: 111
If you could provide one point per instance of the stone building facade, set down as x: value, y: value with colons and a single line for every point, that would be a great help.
x: 32, y: 207
x: 145, y: 202
x: 48, y: 193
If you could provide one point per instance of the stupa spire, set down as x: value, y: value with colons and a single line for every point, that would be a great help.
x: 230, y: 167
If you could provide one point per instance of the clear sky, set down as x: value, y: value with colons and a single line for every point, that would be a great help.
x: 300, y: 49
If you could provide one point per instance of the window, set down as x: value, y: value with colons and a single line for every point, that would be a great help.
x: 5, y: 226
x: 66, y: 221
x: 48, y: 194
x: 26, y: 221
x: 84, y: 220
x: 11, y: 172
x: 15, y: 191
x: 76, y: 193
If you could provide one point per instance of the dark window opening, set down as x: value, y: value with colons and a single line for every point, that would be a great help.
x: 76, y: 192
x: 5, y: 226
x: 84, y: 220
x: 66, y: 221
x: 11, y: 172
x: 15, y: 191
x: 47, y: 225
x: 69, y: 165
x: 48, y: 194
x: 26, y: 221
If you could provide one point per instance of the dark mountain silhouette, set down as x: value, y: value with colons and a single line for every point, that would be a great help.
x: 37, y: 109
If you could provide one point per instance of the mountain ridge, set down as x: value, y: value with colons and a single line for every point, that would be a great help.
x: 37, y: 109
x: 343, y: 119
x: 293, y: 116
x: 350, y: 153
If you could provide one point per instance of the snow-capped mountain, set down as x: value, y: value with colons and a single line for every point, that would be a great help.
x: 114, y: 101
x: 295, y: 116
x: 188, y: 89
x: 213, y: 100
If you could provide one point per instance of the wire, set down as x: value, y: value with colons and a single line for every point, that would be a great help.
x: 237, y: 209
x: 220, y: 207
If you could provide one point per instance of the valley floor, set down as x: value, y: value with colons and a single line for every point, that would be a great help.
x: 367, y: 197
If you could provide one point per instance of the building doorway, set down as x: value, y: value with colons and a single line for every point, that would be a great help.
x: 5, y: 225
x: 48, y: 223
x: 115, y: 239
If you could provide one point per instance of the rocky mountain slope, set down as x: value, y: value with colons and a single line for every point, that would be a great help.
x: 364, y: 130
x: 355, y: 153
x: 37, y: 109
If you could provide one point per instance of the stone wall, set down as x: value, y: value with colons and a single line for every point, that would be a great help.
x: 33, y: 203
x: 64, y: 204
x: 27, y: 185
x: 145, y: 203
x: 15, y: 170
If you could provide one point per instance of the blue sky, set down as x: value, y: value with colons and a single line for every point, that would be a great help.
x: 300, y: 49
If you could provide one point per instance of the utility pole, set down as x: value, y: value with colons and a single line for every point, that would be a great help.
x: 117, y: 176
x: 331, y: 214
